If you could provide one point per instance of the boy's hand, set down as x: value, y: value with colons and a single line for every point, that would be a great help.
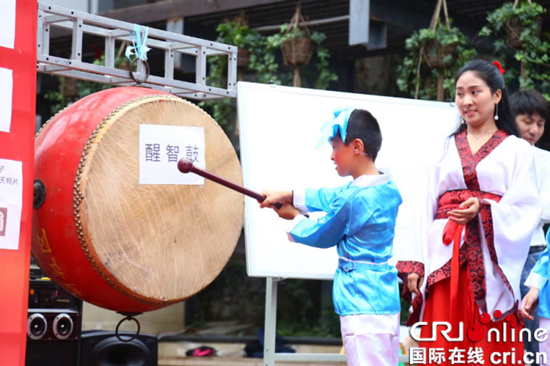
x: 530, y: 303
x: 414, y: 282
x: 273, y: 197
x: 287, y: 212
x: 468, y: 211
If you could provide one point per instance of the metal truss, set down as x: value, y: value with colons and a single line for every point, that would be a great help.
x: 113, y: 30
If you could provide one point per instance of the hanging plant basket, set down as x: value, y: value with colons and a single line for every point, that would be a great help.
x: 243, y: 58
x: 297, y: 52
x: 70, y: 87
x: 298, y: 47
x: 514, y: 28
x: 434, y: 53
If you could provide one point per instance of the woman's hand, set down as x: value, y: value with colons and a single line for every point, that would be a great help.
x: 530, y: 303
x: 273, y: 197
x: 287, y: 212
x: 470, y: 209
x: 414, y: 282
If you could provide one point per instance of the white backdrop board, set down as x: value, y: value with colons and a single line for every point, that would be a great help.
x: 279, y: 129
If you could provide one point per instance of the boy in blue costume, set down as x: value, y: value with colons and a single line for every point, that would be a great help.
x: 538, y: 281
x: 360, y: 222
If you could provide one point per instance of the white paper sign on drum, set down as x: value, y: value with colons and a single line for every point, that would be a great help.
x: 160, y: 149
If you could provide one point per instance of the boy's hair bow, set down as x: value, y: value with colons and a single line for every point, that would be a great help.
x: 337, y: 124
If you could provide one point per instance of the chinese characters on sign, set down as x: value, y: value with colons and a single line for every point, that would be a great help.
x: 192, y: 153
x: 11, y: 203
x: 160, y: 149
x: 471, y: 356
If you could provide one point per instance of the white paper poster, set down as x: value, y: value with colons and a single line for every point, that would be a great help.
x: 160, y: 149
x: 11, y: 203
x: 7, y: 23
x: 6, y: 94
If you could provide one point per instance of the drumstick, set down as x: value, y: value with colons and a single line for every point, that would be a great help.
x: 186, y: 166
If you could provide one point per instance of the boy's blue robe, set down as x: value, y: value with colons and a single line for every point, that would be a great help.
x: 542, y: 268
x: 360, y: 222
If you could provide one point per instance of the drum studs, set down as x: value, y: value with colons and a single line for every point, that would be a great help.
x: 89, y: 149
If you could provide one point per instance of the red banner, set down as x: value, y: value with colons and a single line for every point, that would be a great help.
x: 17, y: 62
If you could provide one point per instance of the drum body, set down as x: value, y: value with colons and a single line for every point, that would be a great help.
x: 112, y: 241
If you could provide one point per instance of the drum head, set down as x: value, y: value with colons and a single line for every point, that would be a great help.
x: 156, y: 243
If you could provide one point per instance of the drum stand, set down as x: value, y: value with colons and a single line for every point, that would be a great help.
x: 114, y: 30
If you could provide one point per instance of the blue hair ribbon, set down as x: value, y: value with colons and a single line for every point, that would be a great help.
x: 139, y: 48
x: 338, y: 124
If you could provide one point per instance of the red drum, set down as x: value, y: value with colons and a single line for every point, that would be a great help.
x: 112, y: 241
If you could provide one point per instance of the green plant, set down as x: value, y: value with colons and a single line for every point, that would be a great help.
x: 232, y: 296
x: 252, y: 44
x: 434, y: 57
x: 440, y: 47
x: 325, y: 76
x: 262, y: 63
x: 517, y: 26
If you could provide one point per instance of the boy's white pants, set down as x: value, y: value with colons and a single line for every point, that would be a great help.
x: 371, y: 339
x: 544, y: 347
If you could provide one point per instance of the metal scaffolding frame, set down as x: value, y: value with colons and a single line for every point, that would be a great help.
x: 113, y: 30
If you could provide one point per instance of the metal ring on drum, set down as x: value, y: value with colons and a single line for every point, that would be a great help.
x: 147, y: 71
x: 127, y: 318
x: 114, y: 242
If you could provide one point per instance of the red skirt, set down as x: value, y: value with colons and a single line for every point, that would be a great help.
x: 490, y: 350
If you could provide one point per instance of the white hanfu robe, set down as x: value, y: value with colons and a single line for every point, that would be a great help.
x: 504, y: 167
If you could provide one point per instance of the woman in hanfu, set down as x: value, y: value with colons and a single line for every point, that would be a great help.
x: 475, y: 233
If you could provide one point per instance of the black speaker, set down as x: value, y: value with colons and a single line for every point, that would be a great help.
x: 103, y: 348
x: 53, y: 325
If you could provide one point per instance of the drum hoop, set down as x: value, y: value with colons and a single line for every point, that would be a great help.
x: 50, y: 120
x: 82, y: 227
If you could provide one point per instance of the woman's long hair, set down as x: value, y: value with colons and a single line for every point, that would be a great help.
x: 493, y: 78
